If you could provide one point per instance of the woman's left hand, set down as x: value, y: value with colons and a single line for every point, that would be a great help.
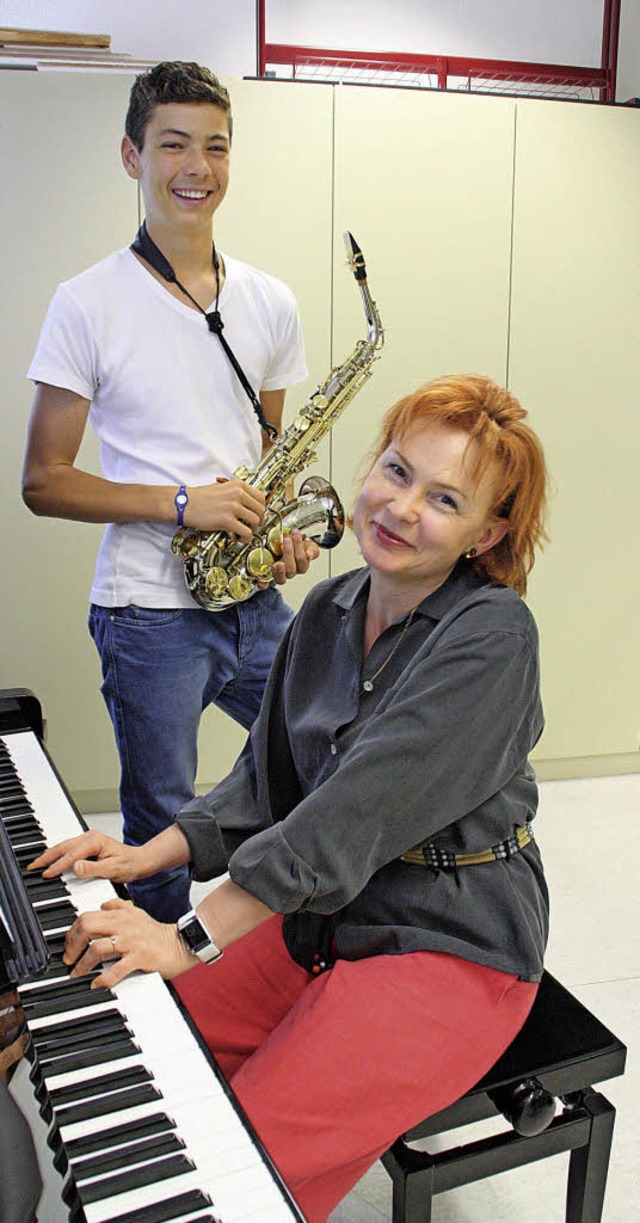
x: 129, y: 940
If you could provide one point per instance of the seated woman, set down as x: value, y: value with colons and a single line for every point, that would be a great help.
x: 385, y: 917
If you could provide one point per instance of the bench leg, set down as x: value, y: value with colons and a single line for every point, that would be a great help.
x: 588, y: 1165
x: 413, y: 1181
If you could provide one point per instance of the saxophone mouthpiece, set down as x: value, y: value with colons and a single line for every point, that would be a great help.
x: 355, y: 257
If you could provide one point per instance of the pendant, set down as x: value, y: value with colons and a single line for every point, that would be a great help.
x: 367, y: 686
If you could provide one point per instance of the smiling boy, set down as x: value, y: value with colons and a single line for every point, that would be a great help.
x: 132, y: 353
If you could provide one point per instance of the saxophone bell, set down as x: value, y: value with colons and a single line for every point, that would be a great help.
x: 317, y: 512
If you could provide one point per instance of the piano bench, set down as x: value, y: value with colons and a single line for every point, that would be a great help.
x: 557, y: 1056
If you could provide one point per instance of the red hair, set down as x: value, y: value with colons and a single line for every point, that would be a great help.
x: 495, y: 421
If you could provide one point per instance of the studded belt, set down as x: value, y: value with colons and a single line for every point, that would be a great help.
x: 443, y: 859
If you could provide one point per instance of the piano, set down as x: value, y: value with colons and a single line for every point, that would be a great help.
x: 131, y: 1118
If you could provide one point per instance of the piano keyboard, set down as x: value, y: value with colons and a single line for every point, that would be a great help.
x: 128, y: 1110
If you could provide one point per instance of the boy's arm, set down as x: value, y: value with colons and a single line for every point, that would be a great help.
x: 52, y: 485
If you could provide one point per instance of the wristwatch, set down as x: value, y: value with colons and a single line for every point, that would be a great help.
x: 181, y: 501
x: 194, y: 933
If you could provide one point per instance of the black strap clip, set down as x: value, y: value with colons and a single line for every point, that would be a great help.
x: 214, y: 322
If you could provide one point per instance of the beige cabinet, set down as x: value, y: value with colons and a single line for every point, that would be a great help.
x: 501, y: 236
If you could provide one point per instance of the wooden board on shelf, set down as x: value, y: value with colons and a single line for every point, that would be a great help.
x: 51, y: 38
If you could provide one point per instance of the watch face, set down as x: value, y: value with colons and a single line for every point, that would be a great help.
x: 197, y: 938
x: 181, y: 499
x: 195, y: 935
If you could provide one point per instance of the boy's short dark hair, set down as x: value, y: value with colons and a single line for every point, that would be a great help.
x: 172, y: 81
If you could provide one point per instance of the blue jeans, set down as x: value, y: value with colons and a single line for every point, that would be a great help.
x: 161, y: 667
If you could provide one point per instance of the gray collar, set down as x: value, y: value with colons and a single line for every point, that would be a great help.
x: 462, y: 581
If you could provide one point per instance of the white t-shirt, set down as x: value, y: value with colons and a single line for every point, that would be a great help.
x: 166, y: 404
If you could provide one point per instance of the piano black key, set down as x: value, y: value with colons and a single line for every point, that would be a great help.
x: 9, y: 785
x: 6, y: 817
x: 85, y: 1042
x: 20, y: 821
x: 153, y: 1124
x: 74, y: 1031
x: 21, y: 853
x: 59, y: 982
x: 103, y: 1105
x: 89, y: 1051
x: 172, y: 1208
x: 59, y: 971
x: 57, y: 915
x: 52, y: 990
x: 26, y: 838
x: 103, y: 1084
x: 24, y: 856
x: 45, y: 889
x: 89, y: 1057
x: 15, y: 803
x: 95, y: 997
x: 55, y: 942
x: 126, y: 1156
x: 19, y: 801
x: 134, y: 1178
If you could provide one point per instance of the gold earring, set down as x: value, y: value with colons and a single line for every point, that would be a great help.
x: 470, y: 554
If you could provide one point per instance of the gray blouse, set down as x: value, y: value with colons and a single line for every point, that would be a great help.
x: 336, y: 782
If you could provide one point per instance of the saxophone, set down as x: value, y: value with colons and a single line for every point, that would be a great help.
x: 220, y: 570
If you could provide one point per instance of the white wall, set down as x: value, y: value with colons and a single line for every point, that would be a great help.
x: 538, y: 30
x: 222, y: 33
x: 219, y: 33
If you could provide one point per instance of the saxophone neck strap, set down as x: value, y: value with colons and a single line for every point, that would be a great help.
x: 144, y: 246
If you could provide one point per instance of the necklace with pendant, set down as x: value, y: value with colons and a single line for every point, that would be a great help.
x: 367, y: 685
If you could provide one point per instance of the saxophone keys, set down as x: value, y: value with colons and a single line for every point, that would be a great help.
x: 260, y: 562
x: 274, y: 540
x: 301, y: 424
x: 216, y: 581
x: 179, y: 540
x: 240, y: 588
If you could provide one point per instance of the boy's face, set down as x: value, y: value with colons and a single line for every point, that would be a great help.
x: 183, y: 166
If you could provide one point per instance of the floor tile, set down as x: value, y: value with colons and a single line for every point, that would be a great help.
x: 585, y: 830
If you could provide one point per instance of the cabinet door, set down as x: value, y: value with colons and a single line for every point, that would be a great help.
x: 424, y: 181
x: 574, y: 362
x: 65, y: 203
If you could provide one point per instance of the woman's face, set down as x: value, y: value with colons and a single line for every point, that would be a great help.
x: 420, y: 509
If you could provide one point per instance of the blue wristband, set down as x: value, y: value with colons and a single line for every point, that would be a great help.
x: 181, y: 500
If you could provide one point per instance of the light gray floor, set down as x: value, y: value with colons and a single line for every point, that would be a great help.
x: 588, y: 834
